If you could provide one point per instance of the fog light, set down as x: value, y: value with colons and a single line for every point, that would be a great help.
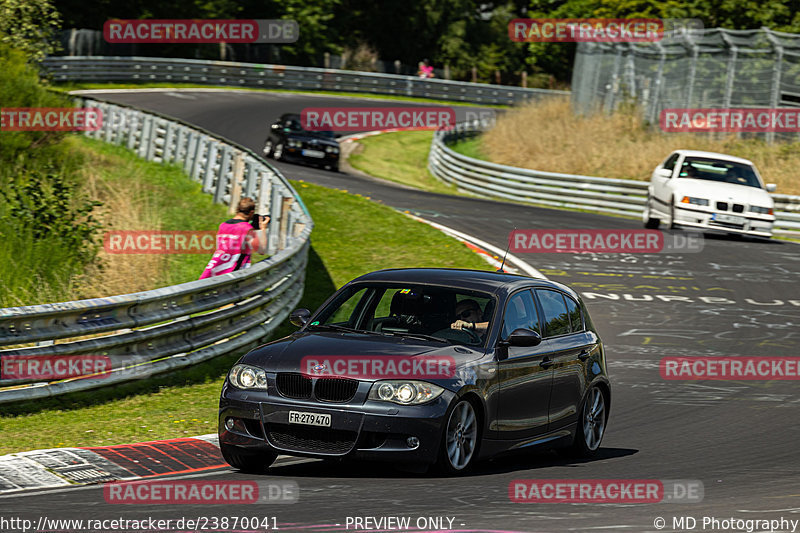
x: 229, y: 423
x: 412, y: 442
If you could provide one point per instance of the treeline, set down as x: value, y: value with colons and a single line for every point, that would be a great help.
x: 468, y: 36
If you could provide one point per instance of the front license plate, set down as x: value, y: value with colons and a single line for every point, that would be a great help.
x: 728, y: 219
x: 313, y: 153
x: 309, y: 419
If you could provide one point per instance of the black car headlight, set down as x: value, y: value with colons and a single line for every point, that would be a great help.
x: 295, y: 144
x: 248, y: 377
x: 331, y: 149
x: 404, y: 392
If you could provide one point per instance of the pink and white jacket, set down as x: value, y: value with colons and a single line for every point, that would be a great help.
x: 236, y: 241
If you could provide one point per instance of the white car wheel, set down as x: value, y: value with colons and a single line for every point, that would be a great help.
x: 649, y: 221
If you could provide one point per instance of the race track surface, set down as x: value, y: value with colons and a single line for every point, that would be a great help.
x: 737, y: 297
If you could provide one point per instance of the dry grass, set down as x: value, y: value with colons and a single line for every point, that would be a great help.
x: 547, y: 136
x: 126, y: 205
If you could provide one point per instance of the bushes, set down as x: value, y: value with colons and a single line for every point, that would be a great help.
x: 46, y: 225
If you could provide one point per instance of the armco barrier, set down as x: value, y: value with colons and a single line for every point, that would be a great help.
x: 151, y: 332
x: 589, y: 193
x: 167, y: 70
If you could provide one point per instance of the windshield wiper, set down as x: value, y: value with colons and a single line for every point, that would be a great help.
x: 336, y: 327
x: 420, y: 336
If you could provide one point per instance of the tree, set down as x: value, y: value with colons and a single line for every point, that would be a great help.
x: 29, y: 26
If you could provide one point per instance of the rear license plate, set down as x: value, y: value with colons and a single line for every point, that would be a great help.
x: 313, y: 153
x: 728, y: 219
x: 309, y: 419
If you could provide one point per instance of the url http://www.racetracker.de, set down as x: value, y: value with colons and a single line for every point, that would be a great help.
x: 145, y: 524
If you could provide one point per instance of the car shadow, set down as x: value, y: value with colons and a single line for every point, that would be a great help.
x: 510, y: 462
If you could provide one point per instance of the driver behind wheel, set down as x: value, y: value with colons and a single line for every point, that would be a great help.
x: 468, y: 314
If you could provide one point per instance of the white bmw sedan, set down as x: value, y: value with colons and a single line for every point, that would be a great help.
x: 710, y: 192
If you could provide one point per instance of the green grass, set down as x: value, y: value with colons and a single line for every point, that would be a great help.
x: 67, y: 87
x: 401, y: 157
x: 470, y: 148
x: 352, y: 236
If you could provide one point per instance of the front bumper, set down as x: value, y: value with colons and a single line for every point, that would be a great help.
x: 370, y: 430
x: 296, y: 155
x: 696, y: 218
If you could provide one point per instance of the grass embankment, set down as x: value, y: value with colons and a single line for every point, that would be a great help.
x: 352, y: 236
x: 547, y: 136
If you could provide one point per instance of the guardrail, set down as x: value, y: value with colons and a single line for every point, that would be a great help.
x: 588, y: 193
x: 160, y: 70
x: 152, y: 332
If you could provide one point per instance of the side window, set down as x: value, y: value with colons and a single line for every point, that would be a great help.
x: 520, y: 313
x: 669, y: 164
x: 574, y: 312
x: 344, y: 314
x: 556, y: 318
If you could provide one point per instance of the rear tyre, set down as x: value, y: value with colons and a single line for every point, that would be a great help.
x: 459, y: 446
x: 250, y: 463
x: 649, y: 221
x: 591, y: 425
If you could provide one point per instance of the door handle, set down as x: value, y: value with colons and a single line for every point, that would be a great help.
x: 546, y: 362
x: 584, y: 355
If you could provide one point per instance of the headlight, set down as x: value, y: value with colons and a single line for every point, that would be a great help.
x: 695, y: 201
x: 248, y: 377
x: 761, y: 210
x: 404, y: 392
x: 331, y: 149
x: 295, y: 144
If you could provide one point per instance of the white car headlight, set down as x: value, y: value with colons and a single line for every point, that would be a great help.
x: 404, y: 392
x: 248, y: 377
x: 761, y: 210
x: 693, y: 200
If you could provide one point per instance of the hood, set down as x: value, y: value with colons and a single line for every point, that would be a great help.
x: 716, y: 191
x: 286, y: 355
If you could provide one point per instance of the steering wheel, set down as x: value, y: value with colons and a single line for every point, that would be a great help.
x: 473, y: 335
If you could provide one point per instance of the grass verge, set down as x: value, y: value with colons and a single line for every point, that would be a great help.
x: 352, y: 236
x: 67, y: 87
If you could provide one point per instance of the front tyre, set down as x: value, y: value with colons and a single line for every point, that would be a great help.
x: 249, y: 463
x: 649, y: 221
x: 459, y: 445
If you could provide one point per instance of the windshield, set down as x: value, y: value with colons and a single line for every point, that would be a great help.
x: 703, y: 168
x: 453, y: 315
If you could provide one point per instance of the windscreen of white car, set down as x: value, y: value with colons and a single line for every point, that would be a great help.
x: 703, y: 168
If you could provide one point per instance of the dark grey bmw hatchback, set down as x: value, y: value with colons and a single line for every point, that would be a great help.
x: 431, y: 366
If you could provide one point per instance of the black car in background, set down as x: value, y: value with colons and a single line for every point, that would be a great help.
x: 288, y: 141
x: 528, y: 369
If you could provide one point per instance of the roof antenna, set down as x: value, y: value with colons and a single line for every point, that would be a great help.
x: 506, y: 254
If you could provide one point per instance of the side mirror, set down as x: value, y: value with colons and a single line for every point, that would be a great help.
x: 664, y: 173
x: 771, y: 187
x: 522, y: 337
x: 299, y: 317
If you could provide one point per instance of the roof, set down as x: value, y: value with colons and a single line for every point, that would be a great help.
x: 479, y: 280
x: 715, y: 155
